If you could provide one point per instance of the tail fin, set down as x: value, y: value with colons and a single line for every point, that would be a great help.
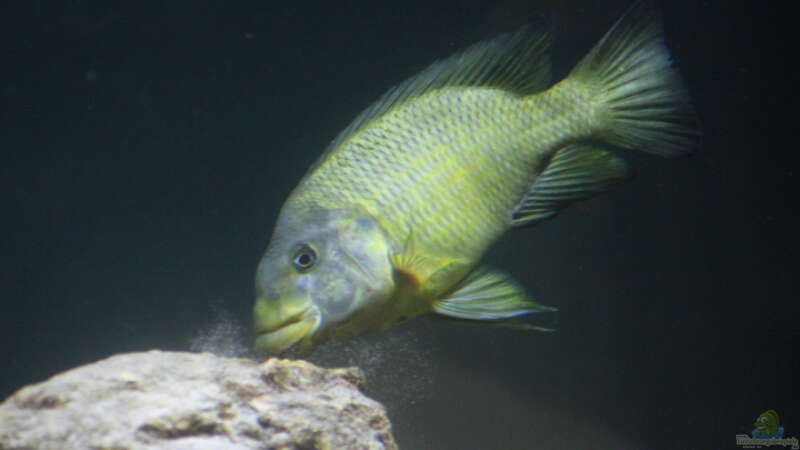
x: 643, y: 102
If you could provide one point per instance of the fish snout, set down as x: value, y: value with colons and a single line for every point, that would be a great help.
x: 280, y: 324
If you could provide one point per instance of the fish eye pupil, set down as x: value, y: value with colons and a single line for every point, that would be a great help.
x: 304, y: 259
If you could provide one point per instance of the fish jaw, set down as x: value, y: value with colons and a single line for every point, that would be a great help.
x: 280, y: 328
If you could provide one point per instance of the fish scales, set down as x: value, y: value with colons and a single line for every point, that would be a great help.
x: 451, y: 165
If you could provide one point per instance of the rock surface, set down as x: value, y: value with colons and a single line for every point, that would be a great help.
x: 176, y: 400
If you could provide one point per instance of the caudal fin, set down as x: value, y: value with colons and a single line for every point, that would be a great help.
x: 642, y: 101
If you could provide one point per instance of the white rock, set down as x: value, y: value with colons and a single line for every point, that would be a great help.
x: 175, y: 400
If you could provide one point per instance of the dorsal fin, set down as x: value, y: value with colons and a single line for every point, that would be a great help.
x: 517, y: 62
x: 576, y: 172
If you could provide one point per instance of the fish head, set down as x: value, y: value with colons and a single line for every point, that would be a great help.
x: 767, y: 422
x: 325, y: 274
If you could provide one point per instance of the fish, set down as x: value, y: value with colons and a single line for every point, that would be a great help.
x: 392, y: 220
x: 767, y: 426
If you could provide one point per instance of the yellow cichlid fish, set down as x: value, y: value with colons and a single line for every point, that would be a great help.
x: 393, y: 218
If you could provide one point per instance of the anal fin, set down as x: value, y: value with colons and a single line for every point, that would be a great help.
x: 575, y: 172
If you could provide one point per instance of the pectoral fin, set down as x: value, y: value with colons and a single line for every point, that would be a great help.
x: 426, y: 274
x: 489, y: 296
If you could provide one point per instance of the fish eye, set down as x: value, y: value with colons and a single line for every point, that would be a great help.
x: 304, y: 258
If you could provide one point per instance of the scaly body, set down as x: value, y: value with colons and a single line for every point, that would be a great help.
x: 450, y: 166
x: 393, y: 218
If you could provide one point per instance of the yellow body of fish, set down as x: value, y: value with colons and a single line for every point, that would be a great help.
x: 393, y: 218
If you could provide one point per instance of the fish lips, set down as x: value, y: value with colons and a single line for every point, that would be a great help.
x: 297, y: 329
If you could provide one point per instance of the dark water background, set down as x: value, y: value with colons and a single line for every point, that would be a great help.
x: 147, y: 146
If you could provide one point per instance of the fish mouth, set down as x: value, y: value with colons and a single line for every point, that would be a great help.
x: 276, y: 338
